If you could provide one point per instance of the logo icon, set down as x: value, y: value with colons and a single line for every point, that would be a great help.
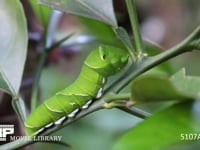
x: 6, y: 130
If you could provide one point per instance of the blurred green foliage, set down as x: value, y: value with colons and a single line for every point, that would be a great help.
x: 100, y: 130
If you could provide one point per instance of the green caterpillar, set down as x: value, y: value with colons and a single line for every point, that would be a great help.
x: 101, y: 63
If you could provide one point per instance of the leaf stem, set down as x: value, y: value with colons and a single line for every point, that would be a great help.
x: 113, y: 102
x: 135, y: 25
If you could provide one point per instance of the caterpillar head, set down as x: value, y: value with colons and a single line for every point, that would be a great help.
x: 107, y: 60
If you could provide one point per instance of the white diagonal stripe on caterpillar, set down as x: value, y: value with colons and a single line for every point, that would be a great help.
x: 86, y: 105
x: 59, y: 121
x: 27, y: 125
x: 53, y: 110
x: 39, y: 131
x: 49, y: 125
x: 70, y: 94
x: 103, y: 80
x: 73, y: 113
x: 99, y: 93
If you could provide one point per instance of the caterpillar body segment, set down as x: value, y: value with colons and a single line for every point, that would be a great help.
x: 101, y: 63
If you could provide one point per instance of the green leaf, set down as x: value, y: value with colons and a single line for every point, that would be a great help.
x: 42, y: 12
x: 189, y: 85
x: 92, y: 26
x: 13, y: 37
x: 3, y: 85
x: 162, y: 130
x: 155, y: 86
x: 148, y: 88
x: 101, y: 10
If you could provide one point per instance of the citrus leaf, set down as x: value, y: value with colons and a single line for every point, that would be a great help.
x: 13, y: 37
x: 162, y: 130
x: 3, y: 85
x: 101, y: 10
x: 151, y: 88
x: 189, y: 85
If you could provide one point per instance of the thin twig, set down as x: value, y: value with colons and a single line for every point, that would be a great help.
x: 35, y: 88
x: 135, y: 111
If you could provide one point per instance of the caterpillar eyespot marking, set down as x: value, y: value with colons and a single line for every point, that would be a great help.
x: 98, y: 66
